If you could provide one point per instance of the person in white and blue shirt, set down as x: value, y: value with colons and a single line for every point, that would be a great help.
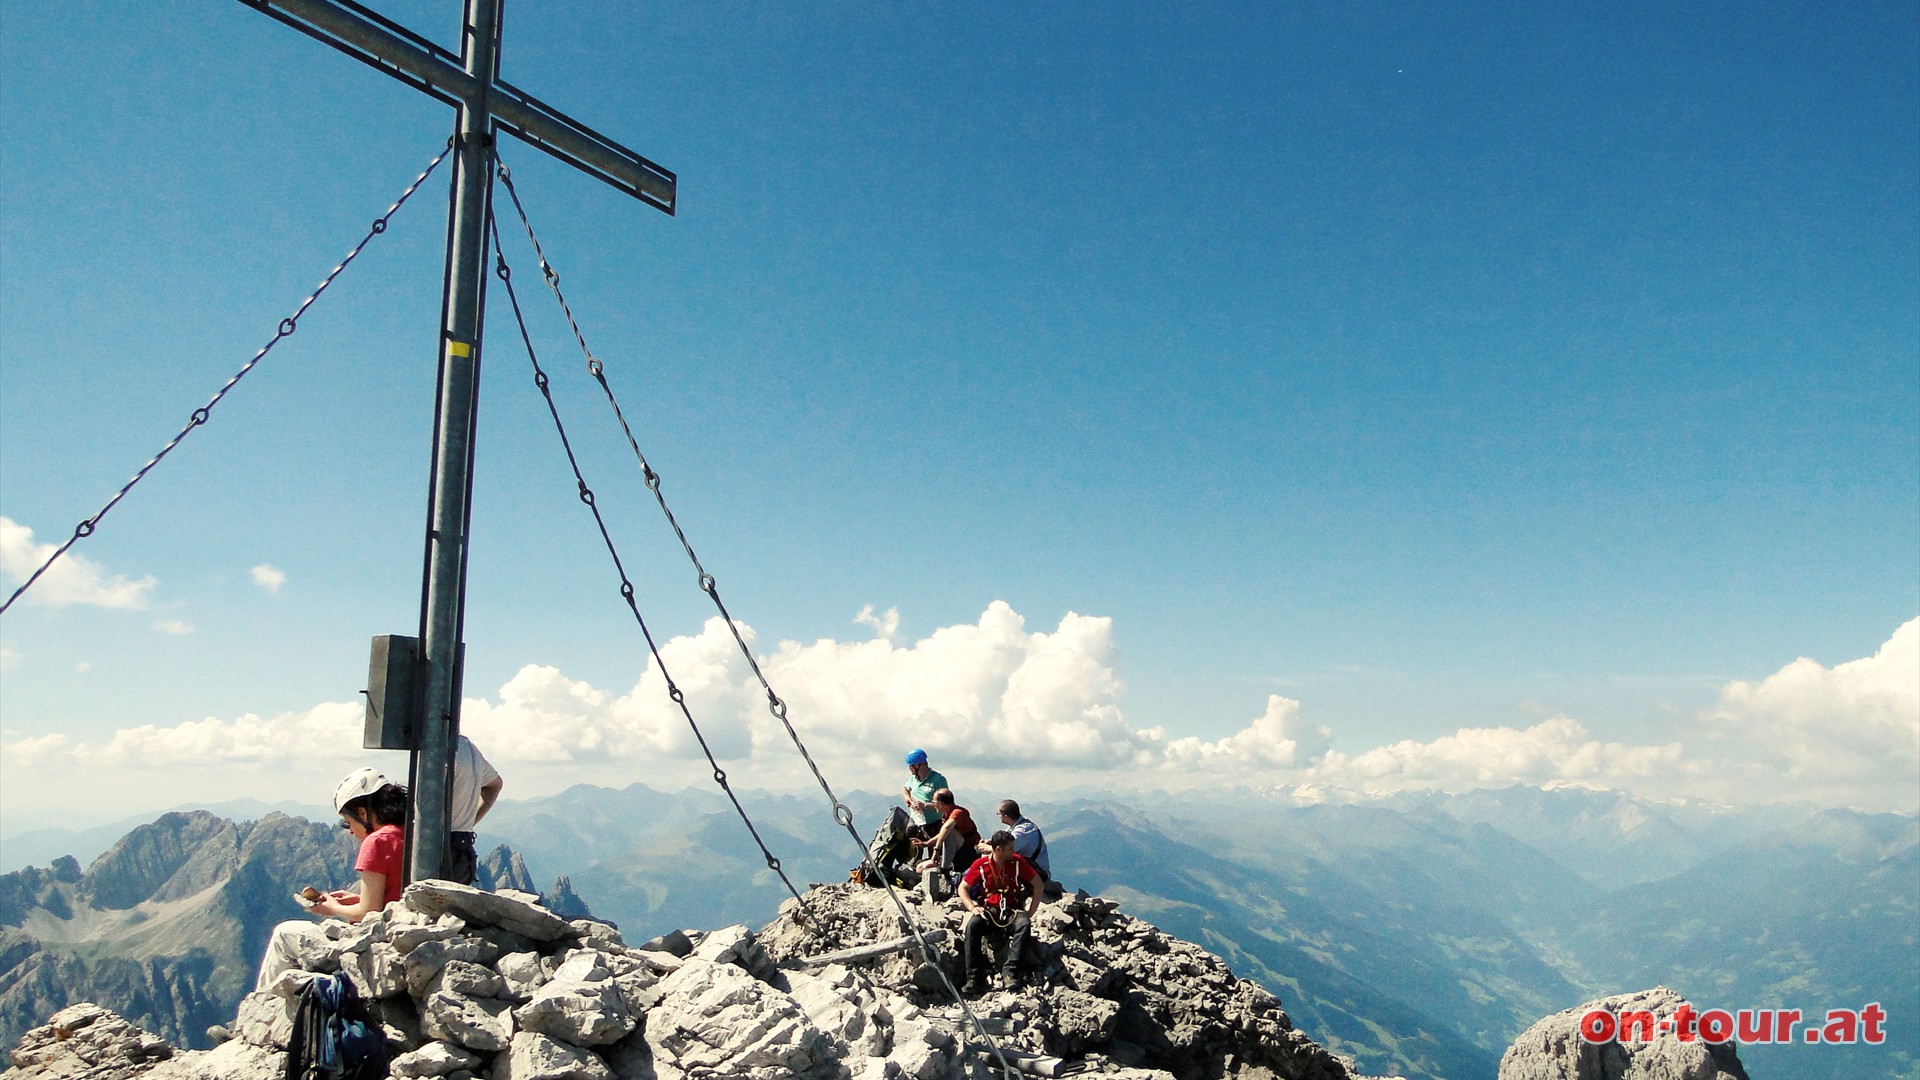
x: 1027, y: 841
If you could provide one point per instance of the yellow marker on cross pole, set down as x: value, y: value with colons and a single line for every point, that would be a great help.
x: 460, y: 349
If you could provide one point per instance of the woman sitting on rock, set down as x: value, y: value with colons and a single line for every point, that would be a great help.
x: 374, y: 810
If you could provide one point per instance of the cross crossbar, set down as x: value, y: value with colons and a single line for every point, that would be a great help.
x: 392, y: 49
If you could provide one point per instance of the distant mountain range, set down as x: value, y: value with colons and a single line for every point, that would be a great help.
x: 168, y: 926
x: 1418, y: 934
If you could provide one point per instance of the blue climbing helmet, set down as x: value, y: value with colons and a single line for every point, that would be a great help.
x: 916, y: 757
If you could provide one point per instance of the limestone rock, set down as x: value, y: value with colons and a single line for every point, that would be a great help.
x: 596, y: 934
x: 464, y: 989
x: 378, y: 971
x: 1552, y: 1049
x: 715, y: 1018
x: 433, y: 1059
x: 265, y: 1020
x: 1103, y: 989
x: 534, y: 1056
x: 407, y: 938
x: 471, y: 979
x: 842, y: 1005
x: 725, y: 945
x: 475, y: 1023
x: 509, y: 910
x: 673, y: 942
x: 85, y: 1040
x: 578, y: 1011
x: 521, y: 975
x: 234, y: 1060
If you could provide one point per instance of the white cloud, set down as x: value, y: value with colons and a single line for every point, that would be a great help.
x: 9, y: 658
x: 329, y: 731
x: 1281, y: 739
x: 987, y: 694
x: 73, y: 579
x: 994, y: 698
x: 884, y: 626
x: 174, y: 627
x: 269, y: 577
x: 1558, y: 749
x: 37, y: 749
x: 83, y: 667
x: 1847, y: 733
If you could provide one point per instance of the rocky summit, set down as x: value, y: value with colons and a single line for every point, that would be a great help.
x: 468, y: 983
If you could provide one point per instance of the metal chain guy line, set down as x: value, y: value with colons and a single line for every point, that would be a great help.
x: 841, y: 812
x: 287, y: 326
x: 542, y: 383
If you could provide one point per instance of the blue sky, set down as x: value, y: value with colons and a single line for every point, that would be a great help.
x: 1433, y: 367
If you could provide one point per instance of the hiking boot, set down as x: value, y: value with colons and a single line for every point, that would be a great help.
x: 1009, y: 980
x: 974, y: 987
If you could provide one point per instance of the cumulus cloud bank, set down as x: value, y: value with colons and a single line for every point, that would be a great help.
x: 995, y: 695
x: 991, y: 693
x: 1829, y: 730
x: 1556, y: 749
x: 74, y: 579
x: 324, y: 733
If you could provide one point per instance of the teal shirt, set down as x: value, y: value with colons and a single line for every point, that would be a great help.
x: 923, y: 791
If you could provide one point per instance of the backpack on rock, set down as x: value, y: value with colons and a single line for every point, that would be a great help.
x: 334, y: 1036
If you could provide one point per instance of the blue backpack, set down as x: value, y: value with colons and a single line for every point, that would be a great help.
x: 334, y: 1036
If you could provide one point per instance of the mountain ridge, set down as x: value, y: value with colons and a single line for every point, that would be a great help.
x: 1411, y: 935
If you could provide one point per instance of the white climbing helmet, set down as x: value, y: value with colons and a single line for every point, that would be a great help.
x: 362, y: 781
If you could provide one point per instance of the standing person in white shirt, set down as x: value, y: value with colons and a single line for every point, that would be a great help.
x: 476, y: 785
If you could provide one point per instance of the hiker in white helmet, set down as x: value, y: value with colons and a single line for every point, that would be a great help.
x: 373, y: 810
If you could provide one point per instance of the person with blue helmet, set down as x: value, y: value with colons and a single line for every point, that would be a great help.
x: 919, y: 793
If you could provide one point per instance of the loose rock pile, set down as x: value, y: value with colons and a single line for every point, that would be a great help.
x: 470, y: 984
x: 87, y: 1042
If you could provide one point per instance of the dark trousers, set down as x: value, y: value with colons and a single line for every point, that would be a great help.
x: 463, y: 861
x: 978, y: 928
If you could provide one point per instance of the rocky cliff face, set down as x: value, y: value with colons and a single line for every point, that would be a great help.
x: 169, y: 925
x: 468, y: 983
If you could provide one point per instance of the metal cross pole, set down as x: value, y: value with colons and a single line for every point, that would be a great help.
x: 471, y: 83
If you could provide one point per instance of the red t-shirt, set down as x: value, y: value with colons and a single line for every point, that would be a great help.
x: 962, y: 823
x: 984, y: 878
x: 382, y: 852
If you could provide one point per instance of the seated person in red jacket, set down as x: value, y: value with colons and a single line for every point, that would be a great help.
x: 950, y: 848
x: 1000, y: 891
x: 373, y: 810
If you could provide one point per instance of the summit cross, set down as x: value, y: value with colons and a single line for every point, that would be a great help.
x: 471, y: 83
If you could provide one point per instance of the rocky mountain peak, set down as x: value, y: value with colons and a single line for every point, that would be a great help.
x: 469, y: 983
